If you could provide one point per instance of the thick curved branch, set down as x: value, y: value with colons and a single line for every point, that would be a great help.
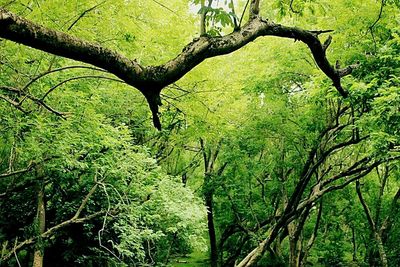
x: 152, y: 79
x: 22, y: 31
x: 207, y: 47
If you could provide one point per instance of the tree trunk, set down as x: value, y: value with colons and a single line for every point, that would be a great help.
x: 295, y: 246
x: 353, y: 241
x: 381, y: 250
x: 41, y: 227
x: 211, y: 231
x: 209, y: 161
x: 374, y: 231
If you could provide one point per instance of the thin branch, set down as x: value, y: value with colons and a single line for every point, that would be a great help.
x: 244, y: 11
x: 291, y: 7
x: 321, y: 32
x: 376, y: 233
x: 164, y: 6
x: 13, y: 103
x: 313, y: 237
x: 203, y: 16
x: 15, y: 253
x: 84, y: 202
x: 34, y: 99
x: 235, y: 22
x: 371, y: 28
x: 387, y: 223
x: 105, y: 221
x: 21, y: 171
x: 367, y: 211
x: 348, y: 70
x: 327, y: 43
x: 40, y: 101
x: 78, y: 78
x: 56, y: 70
x: 379, y: 15
x: 84, y: 13
x: 7, y: 4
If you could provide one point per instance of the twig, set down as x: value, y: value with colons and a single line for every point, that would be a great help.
x: 371, y: 28
x: 13, y: 103
x: 379, y: 15
x: 84, y: 13
x: 78, y: 78
x: 321, y: 32
x: 105, y: 221
x: 164, y: 6
x: 27, y: 169
x: 34, y: 99
x: 59, y: 69
x: 244, y: 11
x: 15, y: 252
x: 292, y: 9
x: 7, y: 4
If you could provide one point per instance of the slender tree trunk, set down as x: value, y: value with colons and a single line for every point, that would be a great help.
x: 374, y: 232
x: 295, y: 246
x: 278, y: 251
x: 381, y: 250
x: 211, y: 230
x: 41, y: 224
x: 203, y: 19
x: 209, y: 161
x: 353, y: 240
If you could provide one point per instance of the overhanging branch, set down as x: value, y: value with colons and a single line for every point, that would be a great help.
x: 151, y: 80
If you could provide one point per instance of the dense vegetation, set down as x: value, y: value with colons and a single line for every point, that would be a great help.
x: 279, y: 152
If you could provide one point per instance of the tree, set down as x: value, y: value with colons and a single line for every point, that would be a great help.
x: 284, y: 151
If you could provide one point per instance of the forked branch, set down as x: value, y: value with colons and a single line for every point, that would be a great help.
x: 151, y: 80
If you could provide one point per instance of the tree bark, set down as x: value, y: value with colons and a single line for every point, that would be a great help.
x: 211, y: 231
x: 373, y: 226
x: 210, y: 158
x: 294, y: 247
x: 41, y: 224
x: 381, y: 250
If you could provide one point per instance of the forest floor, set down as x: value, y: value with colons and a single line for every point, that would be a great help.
x: 196, y: 259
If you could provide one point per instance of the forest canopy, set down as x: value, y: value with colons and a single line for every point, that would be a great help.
x: 199, y: 133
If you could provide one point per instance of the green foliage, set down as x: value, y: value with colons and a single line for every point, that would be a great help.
x: 268, y: 103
